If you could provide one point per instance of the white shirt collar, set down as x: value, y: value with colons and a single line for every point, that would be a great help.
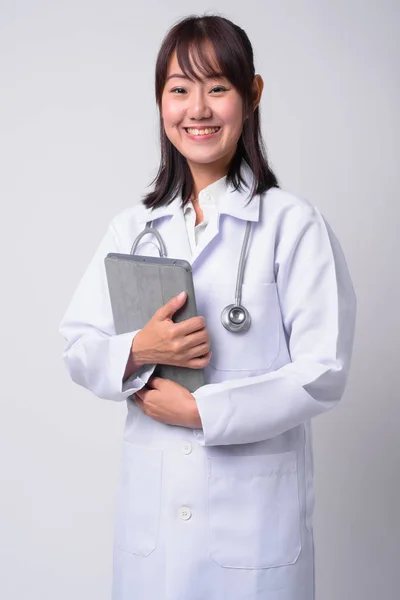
x: 228, y: 200
x: 210, y: 195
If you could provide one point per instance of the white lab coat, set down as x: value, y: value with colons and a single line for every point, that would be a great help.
x: 225, y: 511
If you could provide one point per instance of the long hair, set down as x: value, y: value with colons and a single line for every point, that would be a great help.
x: 234, y: 57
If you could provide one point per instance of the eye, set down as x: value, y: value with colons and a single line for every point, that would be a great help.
x: 219, y: 87
x: 176, y: 89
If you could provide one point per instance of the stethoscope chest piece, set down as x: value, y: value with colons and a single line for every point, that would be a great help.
x: 235, y: 318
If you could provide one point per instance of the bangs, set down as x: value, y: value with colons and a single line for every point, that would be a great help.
x: 208, y: 47
x: 194, y: 57
x: 211, y: 49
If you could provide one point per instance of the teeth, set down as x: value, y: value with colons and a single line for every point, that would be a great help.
x: 202, y: 131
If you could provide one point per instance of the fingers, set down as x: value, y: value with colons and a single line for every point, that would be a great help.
x: 190, y: 325
x: 197, y: 338
x: 169, y: 309
x: 143, y: 396
x: 139, y: 402
x: 154, y: 383
x: 200, y: 362
x: 140, y: 394
x: 198, y: 351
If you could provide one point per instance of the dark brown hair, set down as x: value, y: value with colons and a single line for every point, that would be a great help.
x: 234, y: 56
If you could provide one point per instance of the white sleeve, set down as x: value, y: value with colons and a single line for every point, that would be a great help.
x: 94, y: 355
x: 318, y: 307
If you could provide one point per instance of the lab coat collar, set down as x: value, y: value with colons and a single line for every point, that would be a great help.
x: 231, y: 202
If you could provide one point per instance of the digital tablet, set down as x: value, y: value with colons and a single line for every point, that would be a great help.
x: 138, y: 287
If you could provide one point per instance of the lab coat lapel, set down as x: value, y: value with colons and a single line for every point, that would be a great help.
x: 176, y: 237
x: 177, y: 240
x: 170, y: 222
x: 233, y: 204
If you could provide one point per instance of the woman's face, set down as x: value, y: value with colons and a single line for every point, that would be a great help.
x: 201, y: 105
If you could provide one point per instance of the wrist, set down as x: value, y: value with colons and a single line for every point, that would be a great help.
x: 134, y: 362
x: 195, y: 419
x: 136, y: 357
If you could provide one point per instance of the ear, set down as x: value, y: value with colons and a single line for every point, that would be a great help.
x: 257, y: 89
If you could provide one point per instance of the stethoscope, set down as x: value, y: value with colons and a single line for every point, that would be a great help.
x: 234, y: 317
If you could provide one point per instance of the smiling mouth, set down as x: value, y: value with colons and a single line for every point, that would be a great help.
x: 203, y: 131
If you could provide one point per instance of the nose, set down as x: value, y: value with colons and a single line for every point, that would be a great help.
x: 199, y: 107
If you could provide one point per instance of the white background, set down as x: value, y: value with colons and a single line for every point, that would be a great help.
x: 78, y: 143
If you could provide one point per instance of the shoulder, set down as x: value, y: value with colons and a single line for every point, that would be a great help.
x: 278, y: 200
x: 124, y: 227
x: 129, y: 214
x: 126, y: 222
x: 289, y: 216
x: 285, y: 208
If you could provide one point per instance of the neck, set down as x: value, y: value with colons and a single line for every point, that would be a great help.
x: 205, y: 174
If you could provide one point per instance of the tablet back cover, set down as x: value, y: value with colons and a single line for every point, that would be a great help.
x: 138, y: 287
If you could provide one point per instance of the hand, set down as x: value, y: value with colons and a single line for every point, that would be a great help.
x: 168, y: 402
x: 161, y: 341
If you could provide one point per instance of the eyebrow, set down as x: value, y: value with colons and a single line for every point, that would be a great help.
x: 182, y: 76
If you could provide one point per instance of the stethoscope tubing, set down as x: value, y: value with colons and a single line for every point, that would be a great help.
x: 162, y: 250
x: 226, y: 318
x: 240, y: 274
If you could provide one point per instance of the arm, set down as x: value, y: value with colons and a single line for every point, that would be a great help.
x: 318, y: 307
x: 95, y: 356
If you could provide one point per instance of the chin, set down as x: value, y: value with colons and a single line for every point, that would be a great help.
x: 202, y: 154
x: 200, y: 160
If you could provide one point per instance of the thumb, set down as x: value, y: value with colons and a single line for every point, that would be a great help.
x: 168, y: 310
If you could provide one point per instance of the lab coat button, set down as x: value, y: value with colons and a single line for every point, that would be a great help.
x: 187, y: 448
x: 185, y: 513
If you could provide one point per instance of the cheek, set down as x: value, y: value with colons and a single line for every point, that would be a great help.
x: 231, y: 114
x: 172, y: 113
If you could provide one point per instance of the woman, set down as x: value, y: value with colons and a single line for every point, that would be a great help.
x: 216, y: 495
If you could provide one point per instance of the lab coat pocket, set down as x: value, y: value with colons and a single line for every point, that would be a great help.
x: 254, y: 515
x: 138, y: 499
x: 256, y: 349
